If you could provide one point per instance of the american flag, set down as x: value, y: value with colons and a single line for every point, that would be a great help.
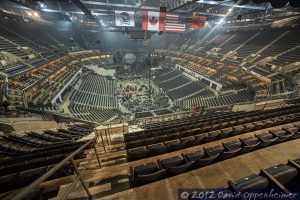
x: 173, y: 23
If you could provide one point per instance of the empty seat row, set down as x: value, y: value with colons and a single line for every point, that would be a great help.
x: 213, y: 132
x: 174, y: 145
x: 190, y: 123
x: 154, y: 171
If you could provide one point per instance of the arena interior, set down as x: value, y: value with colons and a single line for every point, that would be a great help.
x: 149, y: 99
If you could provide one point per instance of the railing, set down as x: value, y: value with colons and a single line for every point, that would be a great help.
x: 79, y: 174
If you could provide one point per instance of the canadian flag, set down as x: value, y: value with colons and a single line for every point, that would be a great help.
x: 153, y: 21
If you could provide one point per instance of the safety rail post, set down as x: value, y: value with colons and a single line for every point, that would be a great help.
x: 102, y: 140
x: 80, y: 178
x: 109, y: 130
x: 106, y: 136
x: 96, y: 152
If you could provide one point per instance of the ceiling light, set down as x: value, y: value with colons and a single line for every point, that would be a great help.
x: 29, y: 13
x: 35, y: 14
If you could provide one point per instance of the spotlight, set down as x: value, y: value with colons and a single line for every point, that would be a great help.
x: 29, y: 14
x: 230, y: 10
x: 35, y: 14
x: 42, y: 5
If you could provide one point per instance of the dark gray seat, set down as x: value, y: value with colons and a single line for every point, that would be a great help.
x: 249, y: 144
x: 294, y: 130
x: 156, y: 149
x: 231, y: 148
x: 174, y: 145
x: 238, y: 130
x: 137, y: 153
x: 267, y: 139
x: 227, y: 131
x: 286, y: 175
x: 189, y: 141
x: 176, y: 165
x: 133, y: 144
x: 148, y: 141
x: 250, y: 183
x: 258, y: 125
x: 282, y: 135
x: 249, y: 127
x: 210, y: 137
x: 200, y: 158
x: 147, y: 173
x: 215, y: 150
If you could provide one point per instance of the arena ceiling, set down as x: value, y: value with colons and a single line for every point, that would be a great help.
x: 101, y: 12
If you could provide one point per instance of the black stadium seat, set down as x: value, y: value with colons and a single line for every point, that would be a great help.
x: 176, y: 165
x: 252, y: 183
x: 267, y: 139
x: 200, y: 158
x: 232, y: 148
x: 146, y: 173
x: 133, y: 144
x: 189, y: 141
x: 137, y: 153
x: 282, y: 135
x: 293, y: 130
x: 249, y: 144
x: 237, y: 130
x: 210, y: 137
x: 284, y: 174
x: 156, y: 149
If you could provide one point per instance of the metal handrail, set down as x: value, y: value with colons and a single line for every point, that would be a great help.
x: 37, y: 182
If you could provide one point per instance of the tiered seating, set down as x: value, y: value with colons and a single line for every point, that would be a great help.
x: 178, y: 86
x: 237, y: 40
x: 27, y: 156
x: 229, y: 99
x: 166, y: 75
x: 287, y: 42
x: 186, y: 90
x: 261, y: 40
x: 95, y: 99
x: 174, y: 82
x: 91, y: 113
x: 155, y: 142
x: 181, y: 163
x: 287, y: 58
